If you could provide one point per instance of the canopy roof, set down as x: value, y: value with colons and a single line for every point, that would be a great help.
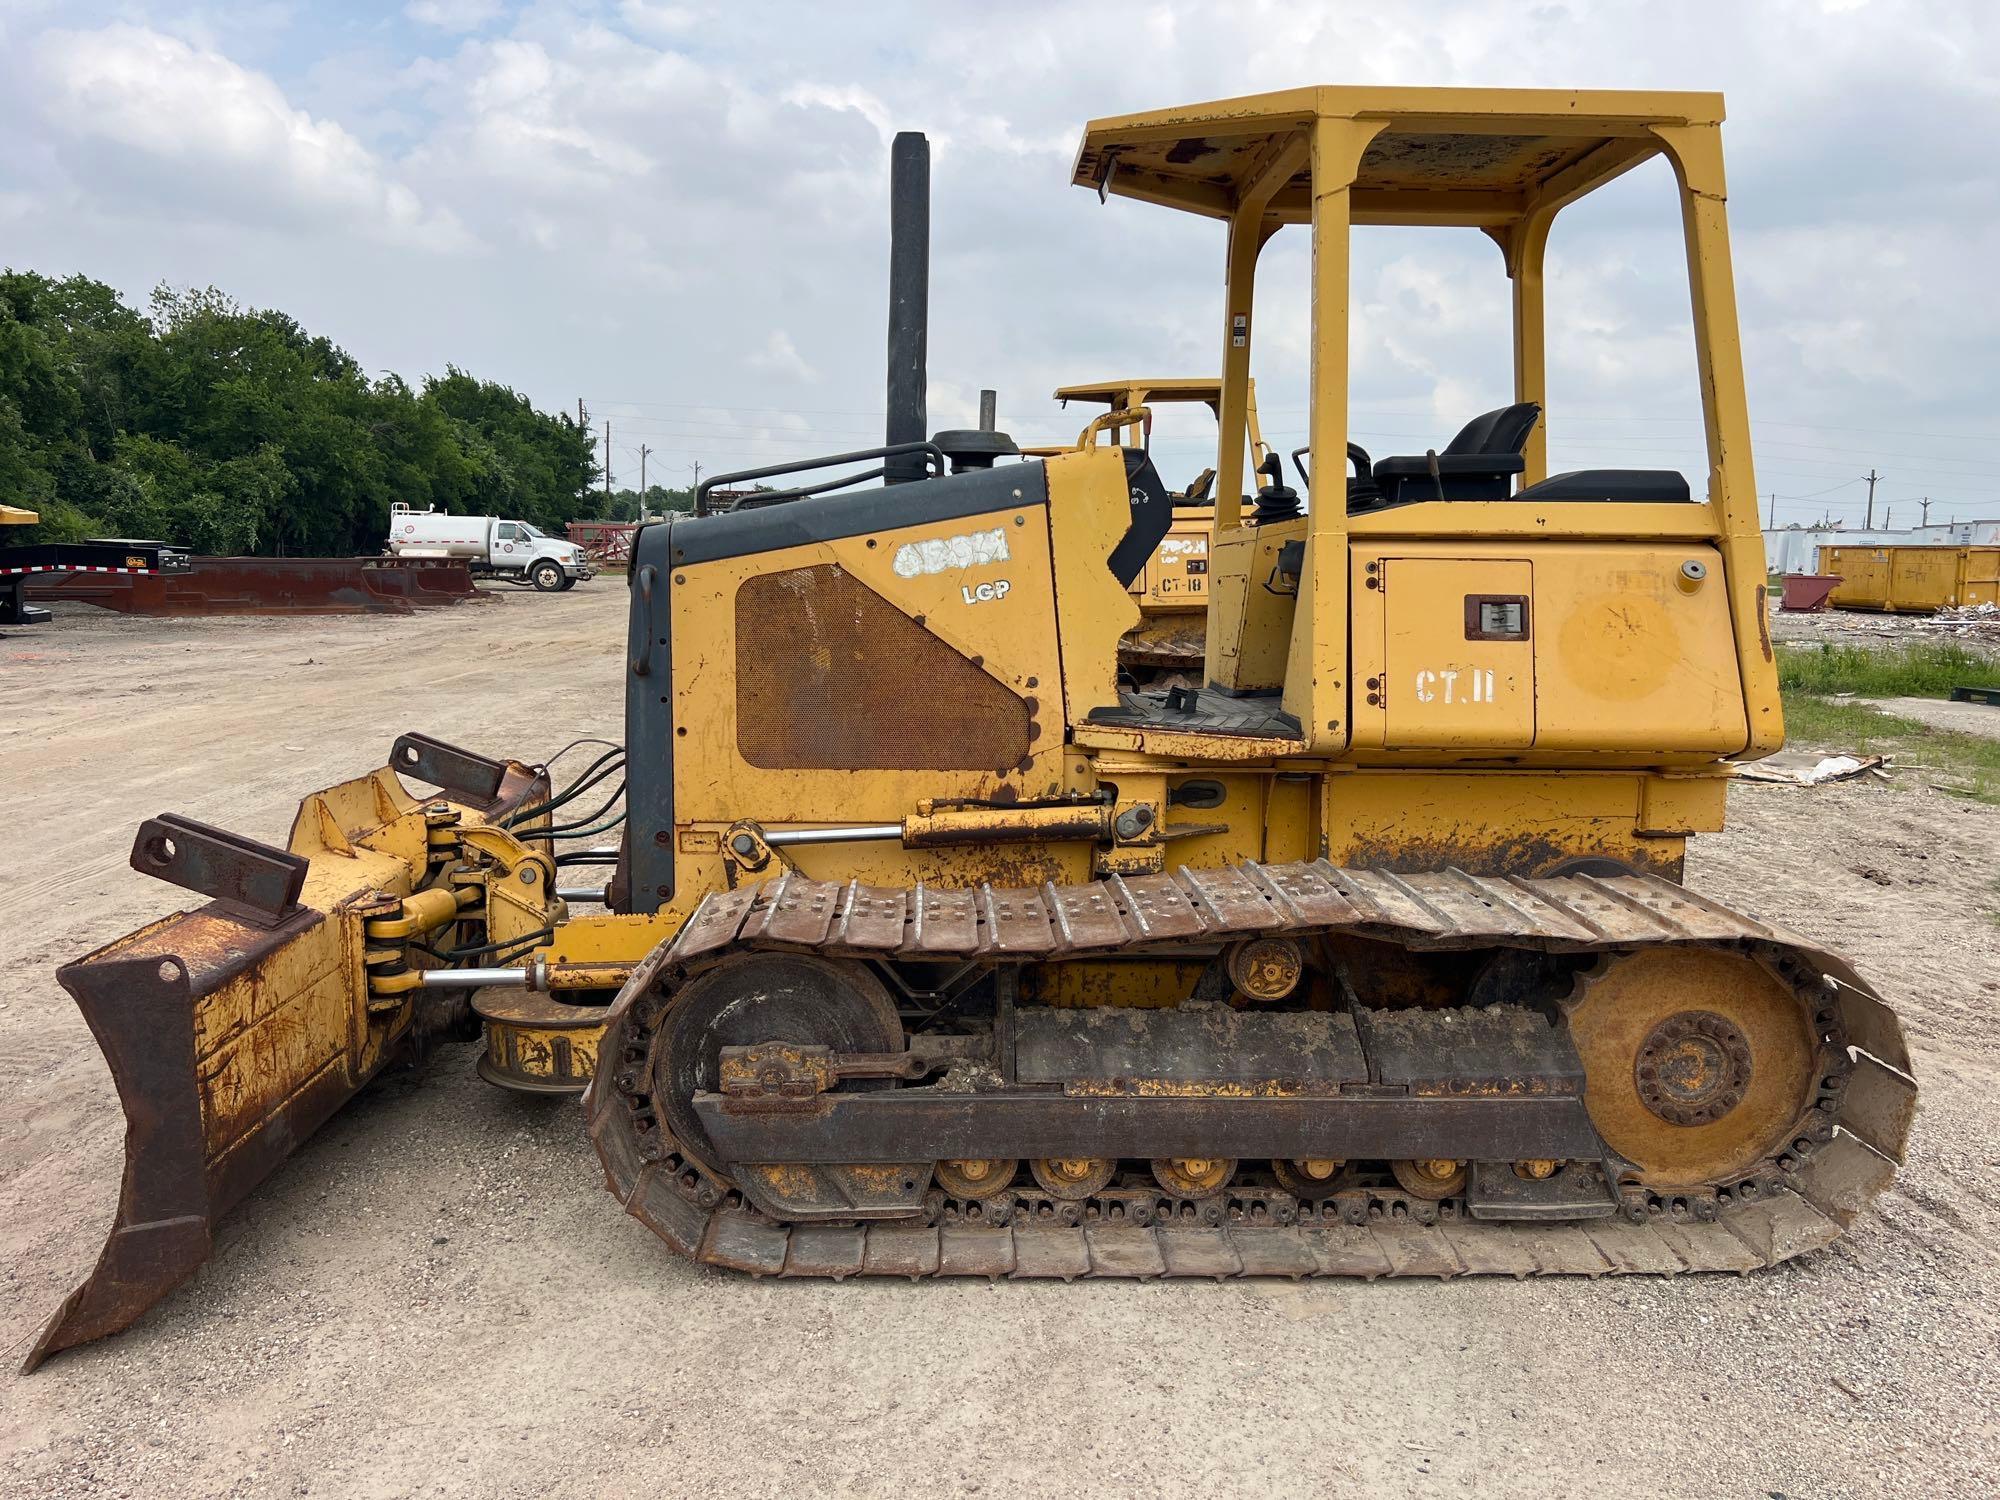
x: 1476, y: 157
x: 1163, y: 389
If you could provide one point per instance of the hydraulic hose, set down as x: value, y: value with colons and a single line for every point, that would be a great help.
x: 453, y: 954
x: 591, y: 776
x: 578, y: 833
x: 588, y: 818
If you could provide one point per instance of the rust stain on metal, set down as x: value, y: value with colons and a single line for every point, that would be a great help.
x: 827, y: 673
x: 274, y: 586
x: 786, y: 1180
x: 881, y: 1178
x: 1183, y: 1088
x: 1521, y: 855
x: 1160, y: 984
x: 1005, y: 825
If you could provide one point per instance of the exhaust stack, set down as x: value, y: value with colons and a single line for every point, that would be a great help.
x: 909, y: 299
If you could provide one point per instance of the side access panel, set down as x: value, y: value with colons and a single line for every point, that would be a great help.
x: 1458, y: 662
x: 1558, y: 648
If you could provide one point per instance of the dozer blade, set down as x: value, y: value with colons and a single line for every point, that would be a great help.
x: 234, y: 1030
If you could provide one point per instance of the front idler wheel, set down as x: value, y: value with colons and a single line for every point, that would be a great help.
x: 763, y: 997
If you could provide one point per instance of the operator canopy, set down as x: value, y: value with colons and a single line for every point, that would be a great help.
x: 1169, y: 389
x: 1503, y: 161
x: 1483, y: 158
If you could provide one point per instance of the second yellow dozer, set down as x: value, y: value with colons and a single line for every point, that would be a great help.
x: 1165, y: 648
x: 927, y: 951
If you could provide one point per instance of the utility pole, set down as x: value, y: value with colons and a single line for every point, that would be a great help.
x: 1889, y: 518
x: 643, y: 451
x: 1926, y: 504
x: 607, y: 465
x: 1774, y: 510
x: 1872, y: 477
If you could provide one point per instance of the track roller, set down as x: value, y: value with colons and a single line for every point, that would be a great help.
x: 1073, y: 1178
x: 1193, y: 1177
x: 1432, y: 1180
x: 1310, y: 1179
x: 974, y: 1180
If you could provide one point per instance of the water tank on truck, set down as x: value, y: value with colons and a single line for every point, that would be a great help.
x: 492, y: 546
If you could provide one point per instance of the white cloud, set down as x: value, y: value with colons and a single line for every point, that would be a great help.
x: 846, y: 97
x: 780, y: 357
x: 659, y: 20
x: 453, y: 15
x: 659, y: 184
x: 154, y: 115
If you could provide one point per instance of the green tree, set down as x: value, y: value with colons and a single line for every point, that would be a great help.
x: 535, y: 467
x: 233, y: 429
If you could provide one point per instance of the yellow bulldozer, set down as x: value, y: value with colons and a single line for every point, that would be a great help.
x: 925, y: 949
x: 1165, y: 648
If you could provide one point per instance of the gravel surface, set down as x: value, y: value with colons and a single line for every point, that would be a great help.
x: 436, y: 1296
x: 1982, y: 719
x: 1871, y: 628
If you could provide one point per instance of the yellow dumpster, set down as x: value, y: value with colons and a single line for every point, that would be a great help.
x: 1912, y: 580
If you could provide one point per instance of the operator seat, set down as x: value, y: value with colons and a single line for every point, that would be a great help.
x: 1478, y: 464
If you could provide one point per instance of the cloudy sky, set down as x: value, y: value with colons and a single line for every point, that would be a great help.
x: 677, y: 212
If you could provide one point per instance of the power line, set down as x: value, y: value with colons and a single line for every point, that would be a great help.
x: 1827, y: 491
x: 1567, y: 413
x: 754, y: 441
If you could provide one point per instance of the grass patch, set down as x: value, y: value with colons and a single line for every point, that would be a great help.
x: 1965, y: 764
x: 1920, y: 669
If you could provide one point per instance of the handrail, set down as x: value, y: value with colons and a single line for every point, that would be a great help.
x: 1128, y: 416
x: 642, y: 655
x: 797, y: 465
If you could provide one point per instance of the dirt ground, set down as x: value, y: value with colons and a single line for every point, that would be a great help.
x: 436, y: 1296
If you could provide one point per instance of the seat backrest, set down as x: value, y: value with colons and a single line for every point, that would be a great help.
x: 1504, y: 430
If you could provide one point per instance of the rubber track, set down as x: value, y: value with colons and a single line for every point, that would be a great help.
x: 703, y: 1220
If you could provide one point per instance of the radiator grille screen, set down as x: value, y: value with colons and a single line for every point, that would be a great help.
x: 831, y: 676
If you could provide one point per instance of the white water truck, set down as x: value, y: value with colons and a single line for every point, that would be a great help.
x: 492, y: 546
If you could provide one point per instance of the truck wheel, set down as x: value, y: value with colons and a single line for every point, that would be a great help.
x: 567, y: 584
x: 546, y: 576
